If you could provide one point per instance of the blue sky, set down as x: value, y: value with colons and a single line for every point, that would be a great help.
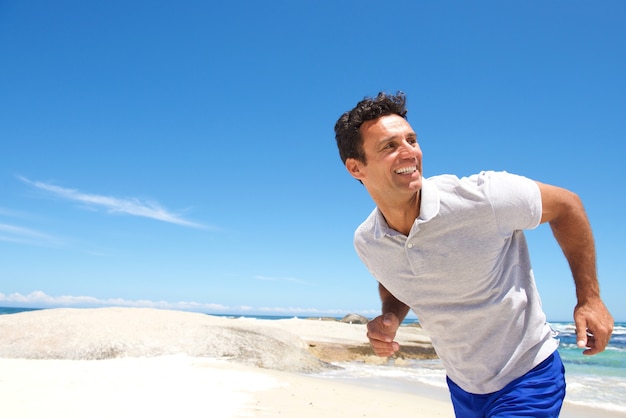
x: 182, y: 155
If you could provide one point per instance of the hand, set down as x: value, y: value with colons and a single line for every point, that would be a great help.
x: 594, y: 326
x: 381, y: 331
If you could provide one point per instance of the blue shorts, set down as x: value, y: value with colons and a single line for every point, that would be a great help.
x: 539, y: 393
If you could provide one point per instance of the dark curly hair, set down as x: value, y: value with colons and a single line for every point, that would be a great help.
x: 347, y: 128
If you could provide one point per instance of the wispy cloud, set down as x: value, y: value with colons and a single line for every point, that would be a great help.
x: 128, y: 206
x: 18, y: 234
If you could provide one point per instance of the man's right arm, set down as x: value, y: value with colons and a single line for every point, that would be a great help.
x: 381, y: 330
x: 565, y: 212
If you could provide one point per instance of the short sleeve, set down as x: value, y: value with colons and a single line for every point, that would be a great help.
x: 516, y: 200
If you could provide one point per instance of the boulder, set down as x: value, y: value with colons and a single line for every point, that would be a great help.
x: 354, y: 319
x: 104, y: 333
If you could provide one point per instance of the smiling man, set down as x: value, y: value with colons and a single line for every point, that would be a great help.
x: 453, y: 250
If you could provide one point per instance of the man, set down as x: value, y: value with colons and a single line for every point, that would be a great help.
x: 453, y: 251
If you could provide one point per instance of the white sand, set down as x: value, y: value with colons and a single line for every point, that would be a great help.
x: 124, y: 362
x: 170, y: 386
x: 182, y: 386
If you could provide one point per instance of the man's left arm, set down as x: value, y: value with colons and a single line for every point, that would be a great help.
x: 564, y: 211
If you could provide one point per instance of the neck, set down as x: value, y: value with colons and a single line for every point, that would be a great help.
x: 401, y: 215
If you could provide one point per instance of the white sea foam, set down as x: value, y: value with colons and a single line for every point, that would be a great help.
x: 603, y: 392
x: 428, y: 372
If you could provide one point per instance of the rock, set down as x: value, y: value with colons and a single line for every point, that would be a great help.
x: 322, y: 318
x: 290, y: 345
x: 97, y: 334
x: 354, y: 319
x: 332, y: 353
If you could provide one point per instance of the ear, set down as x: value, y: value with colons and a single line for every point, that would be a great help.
x: 354, y: 167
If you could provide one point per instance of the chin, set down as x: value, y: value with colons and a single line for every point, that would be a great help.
x: 416, y: 185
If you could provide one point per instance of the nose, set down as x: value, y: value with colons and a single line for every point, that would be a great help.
x: 408, y: 149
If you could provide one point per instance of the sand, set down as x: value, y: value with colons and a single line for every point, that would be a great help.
x: 182, y: 386
x: 131, y: 362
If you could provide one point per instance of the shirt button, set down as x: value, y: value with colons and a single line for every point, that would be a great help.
x: 410, y: 245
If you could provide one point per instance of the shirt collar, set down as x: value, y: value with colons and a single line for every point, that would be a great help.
x: 429, y: 207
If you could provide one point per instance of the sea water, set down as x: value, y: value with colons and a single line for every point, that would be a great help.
x: 597, y: 381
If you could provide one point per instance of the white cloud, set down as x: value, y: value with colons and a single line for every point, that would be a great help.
x: 129, y: 206
x: 39, y: 299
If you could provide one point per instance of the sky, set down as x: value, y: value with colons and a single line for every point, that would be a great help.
x: 182, y: 155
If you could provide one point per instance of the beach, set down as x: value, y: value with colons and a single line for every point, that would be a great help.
x: 133, y: 362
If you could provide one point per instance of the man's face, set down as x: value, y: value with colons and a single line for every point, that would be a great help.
x: 394, y: 159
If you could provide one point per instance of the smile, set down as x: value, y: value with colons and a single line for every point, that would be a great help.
x: 406, y: 170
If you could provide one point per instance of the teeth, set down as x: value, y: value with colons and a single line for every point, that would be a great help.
x: 406, y: 170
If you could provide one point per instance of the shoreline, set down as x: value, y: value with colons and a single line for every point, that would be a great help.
x: 172, y: 386
x: 179, y: 385
x: 129, y: 362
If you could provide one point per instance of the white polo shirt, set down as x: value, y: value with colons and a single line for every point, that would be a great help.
x: 465, y: 271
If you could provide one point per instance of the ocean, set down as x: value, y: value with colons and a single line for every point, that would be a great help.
x: 600, y: 380
x: 597, y: 381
